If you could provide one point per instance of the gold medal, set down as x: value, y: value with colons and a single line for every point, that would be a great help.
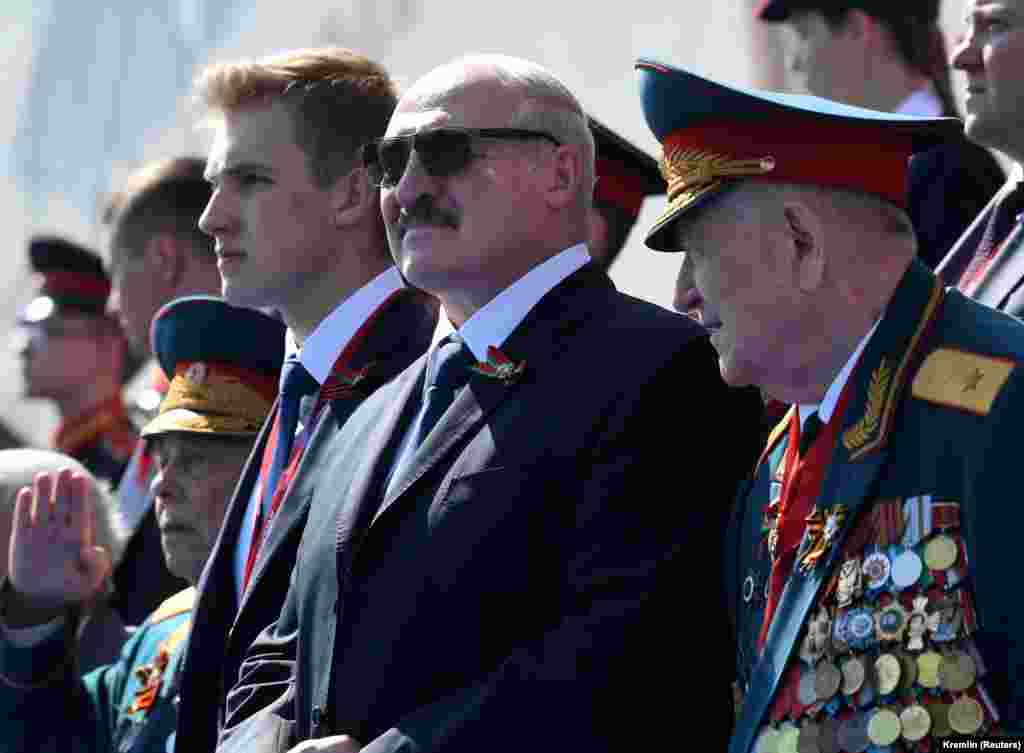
x: 957, y: 671
x: 884, y: 728
x: 928, y: 669
x: 808, y: 740
x: 940, y: 553
x: 789, y: 736
x: 887, y: 670
x: 915, y: 722
x: 827, y: 680
x: 767, y: 740
x: 966, y: 716
x: 854, y: 673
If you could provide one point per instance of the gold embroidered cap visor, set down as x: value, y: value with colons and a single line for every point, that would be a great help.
x: 714, y: 136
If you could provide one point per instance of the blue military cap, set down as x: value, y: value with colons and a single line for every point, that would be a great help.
x: 714, y: 135
x: 223, y: 363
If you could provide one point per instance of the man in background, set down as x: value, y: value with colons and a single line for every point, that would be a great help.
x: 891, y: 56
x: 157, y: 254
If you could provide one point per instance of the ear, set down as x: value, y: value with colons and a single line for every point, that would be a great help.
x: 566, y: 174
x: 166, y: 258
x: 350, y: 196
x: 805, y: 230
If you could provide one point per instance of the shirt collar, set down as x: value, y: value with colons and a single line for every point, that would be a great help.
x: 332, y: 335
x: 921, y: 103
x: 492, y: 323
x: 828, y: 403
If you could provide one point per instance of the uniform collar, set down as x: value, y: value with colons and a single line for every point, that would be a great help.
x: 825, y: 408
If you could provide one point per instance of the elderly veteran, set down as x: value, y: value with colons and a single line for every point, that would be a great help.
x: 224, y: 364
x: 100, y: 631
x: 868, y: 561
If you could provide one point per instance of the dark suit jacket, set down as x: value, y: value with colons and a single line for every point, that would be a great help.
x: 542, y: 574
x: 935, y: 408
x: 1000, y: 285
x: 401, y: 333
x: 946, y: 189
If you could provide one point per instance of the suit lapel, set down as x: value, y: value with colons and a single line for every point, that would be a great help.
x: 1004, y: 273
x: 885, y: 368
x: 953, y: 265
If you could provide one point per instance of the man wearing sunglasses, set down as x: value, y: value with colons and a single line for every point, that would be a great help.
x: 297, y: 228
x: 489, y: 562
x: 73, y: 353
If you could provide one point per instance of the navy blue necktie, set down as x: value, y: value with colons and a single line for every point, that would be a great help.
x: 296, y: 383
x: 447, y: 374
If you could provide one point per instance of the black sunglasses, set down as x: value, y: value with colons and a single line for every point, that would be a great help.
x: 443, y: 152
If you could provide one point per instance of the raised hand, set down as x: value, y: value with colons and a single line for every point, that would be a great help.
x: 53, y: 560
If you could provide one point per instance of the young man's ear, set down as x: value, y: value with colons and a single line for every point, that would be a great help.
x: 804, y: 228
x: 350, y: 195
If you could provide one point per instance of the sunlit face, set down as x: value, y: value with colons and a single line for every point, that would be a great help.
x: 267, y: 215
x: 825, y: 61
x: 62, y: 356
x: 735, y: 280
x: 465, y: 232
x: 991, y: 54
x: 196, y: 475
x: 136, y: 295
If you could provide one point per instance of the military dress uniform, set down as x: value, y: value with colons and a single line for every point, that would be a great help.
x: 869, y: 561
x: 225, y: 363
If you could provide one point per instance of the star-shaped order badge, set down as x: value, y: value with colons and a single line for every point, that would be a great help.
x: 499, y: 366
x: 823, y: 526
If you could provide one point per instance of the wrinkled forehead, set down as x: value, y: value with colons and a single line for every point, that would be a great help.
x: 466, y: 99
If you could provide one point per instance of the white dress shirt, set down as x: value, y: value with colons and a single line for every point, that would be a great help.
x: 318, y: 354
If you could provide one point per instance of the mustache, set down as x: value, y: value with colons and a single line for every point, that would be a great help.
x: 425, y: 211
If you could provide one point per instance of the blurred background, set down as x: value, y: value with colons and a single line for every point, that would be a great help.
x: 94, y: 89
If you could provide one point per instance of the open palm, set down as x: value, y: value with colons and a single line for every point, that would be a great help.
x: 53, y: 558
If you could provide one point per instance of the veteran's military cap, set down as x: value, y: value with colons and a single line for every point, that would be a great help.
x: 900, y: 11
x: 626, y: 175
x: 223, y: 363
x: 714, y: 136
x: 69, y: 279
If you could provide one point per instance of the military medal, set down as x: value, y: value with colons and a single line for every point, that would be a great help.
x: 957, y: 672
x: 815, y: 642
x: 853, y: 734
x: 939, y: 713
x: 947, y: 627
x: 827, y: 679
x: 849, y: 582
x: 916, y: 722
x: 906, y: 569
x: 808, y: 740
x: 841, y: 632
x: 891, y: 622
x: 876, y: 569
x: 808, y: 693
x: 928, y: 665
x: 887, y: 672
x: 940, y: 553
x: 920, y: 623
x: 861, y: 628
x: 823, y: 527
x: 789, y: 736
x: 966, y: 716
x: 767, y: 740
x: 884, y: 727
x: 854, y: 673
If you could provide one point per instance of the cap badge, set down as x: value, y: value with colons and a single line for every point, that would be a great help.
x: 197, y: 373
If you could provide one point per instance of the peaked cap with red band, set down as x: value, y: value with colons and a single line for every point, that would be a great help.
x: 223, y: 363
x: 626, y: 174
x: 69, y: 277
x: 713, y: 136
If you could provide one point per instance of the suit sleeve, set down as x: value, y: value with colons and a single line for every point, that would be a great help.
x: 641, y: 655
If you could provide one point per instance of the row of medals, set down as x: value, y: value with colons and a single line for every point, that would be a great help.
x: 896, y: 666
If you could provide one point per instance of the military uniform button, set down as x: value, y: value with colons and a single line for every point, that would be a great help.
x: 884, y: 727
x: 966, y: 716
x: 916, y: 722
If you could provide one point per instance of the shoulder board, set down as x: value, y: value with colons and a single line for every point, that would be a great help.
x: 958, y: 379
x: 175, y: 605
